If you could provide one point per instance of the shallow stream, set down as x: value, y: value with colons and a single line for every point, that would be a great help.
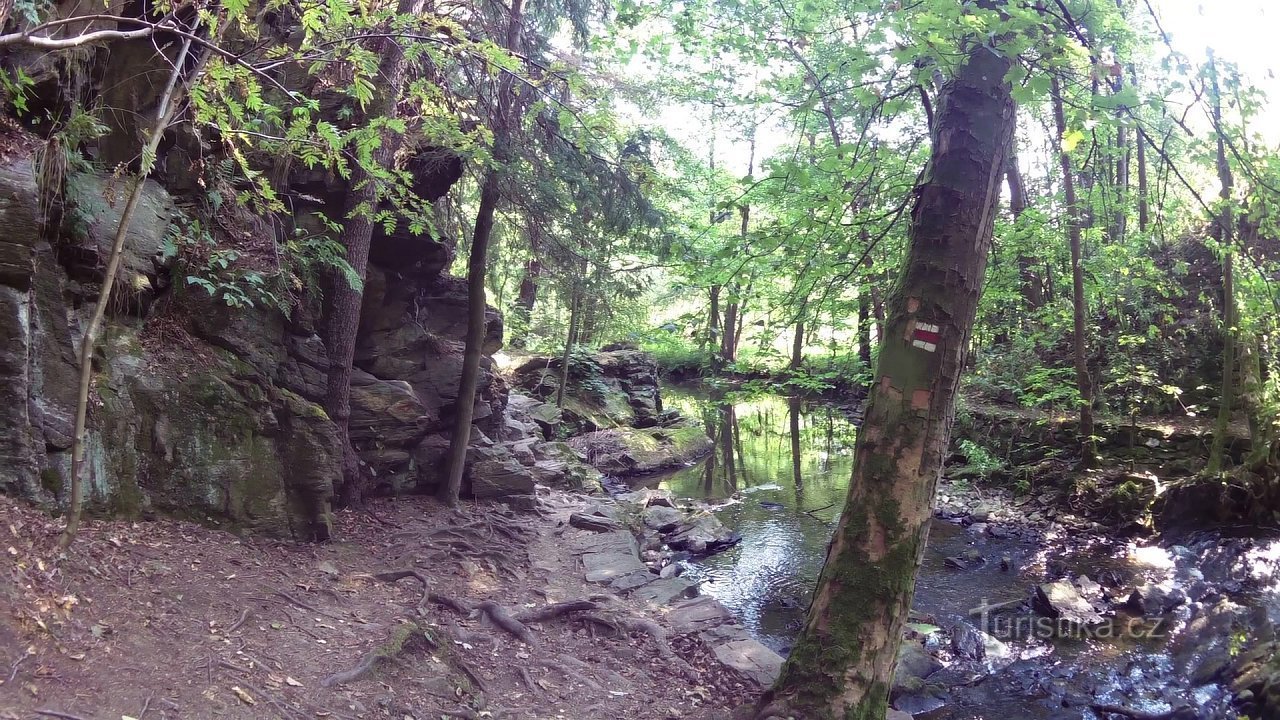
x: 779, y: 476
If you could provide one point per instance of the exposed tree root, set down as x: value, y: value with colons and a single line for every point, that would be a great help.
x: 568, y: 661
x: 621, y: 624
x: 427, y: 596
x: 528, y: 681
x: 310, y: 608
x: 403, y: 638
x: 244, y: 615
x: 555, y: 610
x: 466, y: 637
x: 500, y: 617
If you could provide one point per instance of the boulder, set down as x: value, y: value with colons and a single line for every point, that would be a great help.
x: 662, y: 518
x: 609, y: 389
x: 1061, y: 600
x: 1153, y: 599
x: 594, y: 523
x: 386, y: 412
x: 501, y: 479
x: 19, y: 210
x: 628, y: 451
x: 699, y: 613
x: 94, y: 204
x: 915, y: 664
x: 703, y: 535
x: 967, y: 642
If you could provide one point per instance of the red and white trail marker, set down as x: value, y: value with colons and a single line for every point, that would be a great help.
x: 926, y: 337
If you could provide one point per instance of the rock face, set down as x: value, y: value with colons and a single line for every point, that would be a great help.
x: 216, y: 413
x: 613, y: 388
x: 612, y: 412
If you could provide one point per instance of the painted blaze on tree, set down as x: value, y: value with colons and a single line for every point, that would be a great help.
x: 842, y: 665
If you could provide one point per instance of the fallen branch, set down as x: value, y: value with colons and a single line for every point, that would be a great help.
x: 815, y: 510
x: 57, y: 714
x: 15, y: 665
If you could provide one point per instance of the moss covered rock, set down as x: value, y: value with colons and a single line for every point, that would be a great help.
x: 622, y: 452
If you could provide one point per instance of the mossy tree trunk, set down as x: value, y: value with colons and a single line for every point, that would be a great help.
x: 1230, y: 331
x: 842, y: 665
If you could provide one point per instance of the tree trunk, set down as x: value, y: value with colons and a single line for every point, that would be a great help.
x: 1032, y: 293
x: 528, y: 294
x: 713, y: 329
x: 728, y: 351
x: 1144, y: 211
x: 169, y: 101
x: 1225, y: 233
x: 1119, y: 218
x: 570, y: 340
x: 793, y: 407
x: 864, y: 328
x: 1083, y: 382
x: 357, y: 231
x: 742, y: 316
x: 797, y: 347
x: 843, y: 662
x: 490, y: 195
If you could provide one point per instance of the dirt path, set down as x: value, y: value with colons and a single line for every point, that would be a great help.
x: 169, y: 619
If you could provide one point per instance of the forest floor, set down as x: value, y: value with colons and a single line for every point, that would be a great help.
x: 168, y: 619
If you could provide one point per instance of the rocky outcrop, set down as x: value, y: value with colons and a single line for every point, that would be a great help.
x: 611, y: 412
x: 214, y: 412
x: 632, y: 451
x: 609, y: 389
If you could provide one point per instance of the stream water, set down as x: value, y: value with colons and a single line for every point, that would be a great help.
x: 779, y: 476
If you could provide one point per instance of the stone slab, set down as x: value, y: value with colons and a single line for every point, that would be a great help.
x: 633, y: 580
x: 752, y: 659
x: 700, y: 613
x: 620, y: 541
x: 607, y: 566
x: 665, y: 591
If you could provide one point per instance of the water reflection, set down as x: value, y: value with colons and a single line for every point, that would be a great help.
x: 781, y: 469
